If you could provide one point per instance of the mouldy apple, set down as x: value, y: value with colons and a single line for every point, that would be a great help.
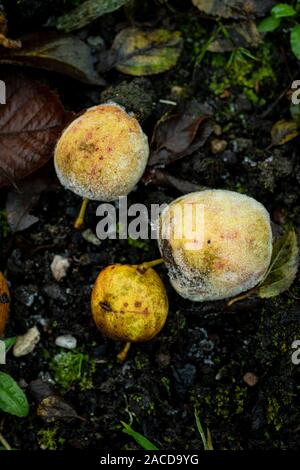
x: 129, y: 303
x: 225, y: 253
x: 101, y: 155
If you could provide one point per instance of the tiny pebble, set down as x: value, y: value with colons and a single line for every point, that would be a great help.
x: 59, y: 267
x: 218, y: 145
x: 250, y: 379
x: 66, y: 341
x: 90, y: 237
x: 25, y: 344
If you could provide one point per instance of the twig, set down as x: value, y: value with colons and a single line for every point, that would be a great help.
x: 4, y: 442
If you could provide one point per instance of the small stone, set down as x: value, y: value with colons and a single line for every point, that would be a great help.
x: 217, y: 129
x: 25, y: 344
x: 66, y: 341
x: 218, y: 145
x: 90, y: 237
x: 97, y: 42
x: 59, y: 267
x: 250, y: 379
x: 163, y: 359
x: 54, y: 292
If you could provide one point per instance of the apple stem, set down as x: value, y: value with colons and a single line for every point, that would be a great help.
x: 150, y: 264
x: 123, y: 354
x: 80, y: 219
x: 241, y: 297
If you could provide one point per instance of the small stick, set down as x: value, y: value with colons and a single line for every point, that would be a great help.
x: 123, y: 354
x: 4, y: 442
x: 80, y: 219
x: 242, y: 297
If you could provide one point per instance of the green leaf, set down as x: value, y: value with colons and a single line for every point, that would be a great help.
x: 12, y: 399
x: 85, y: 13
x: 269, y: 24
x: 207, y: 441
x: 283, y: 131
x: 139, y: 438
x: 9, y: 342
x: 283, y: 10
x: 146, y: 52
x: 283, y: 267
x: 295, y: 40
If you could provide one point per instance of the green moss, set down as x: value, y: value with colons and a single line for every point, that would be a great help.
x: 166, y: 383
x: 273, y: 409
x: 245, y: 71
x: 224, y: 401
x: 48, y: 439
x: 141, y: 405
x: 141, y: 361
x: 70, y: 368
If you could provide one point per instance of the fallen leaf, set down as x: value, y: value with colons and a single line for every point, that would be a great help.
x: 4, y: 41
x: 283, y: 266
x: 178, y: 135
x: 30, y: 124
x: 20, y: 202
x: 140, y: 52
x: 56, y: 52
x: 85, y: 13
x: 4, y: 303
x: 163, y: 179
x: 234, y: 8
x: 242, y: 34
x: 54, y: 407
x: 50, y: 405
x: 283, y: 131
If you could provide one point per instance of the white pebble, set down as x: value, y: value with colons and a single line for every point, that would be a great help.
x: 66, y: 341
x: 90, y: 237
x: 59, y: 267
x: 25, y: 344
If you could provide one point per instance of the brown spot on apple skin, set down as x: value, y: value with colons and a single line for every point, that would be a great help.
x: 125, y: 304
x: 105, y: 306
x: 137, y: 304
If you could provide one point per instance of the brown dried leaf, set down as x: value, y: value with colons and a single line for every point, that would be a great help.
x: 4, y: 303
x: 60, y: 53
x: 54, y: 407
x: 234, y: 8
x: 30, y: 124
x: 51, y: 406
x: 178, y: 135
x: 163, y: 179
x: 20, y: 202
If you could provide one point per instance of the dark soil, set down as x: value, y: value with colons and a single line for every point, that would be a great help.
x: 200, y: 358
